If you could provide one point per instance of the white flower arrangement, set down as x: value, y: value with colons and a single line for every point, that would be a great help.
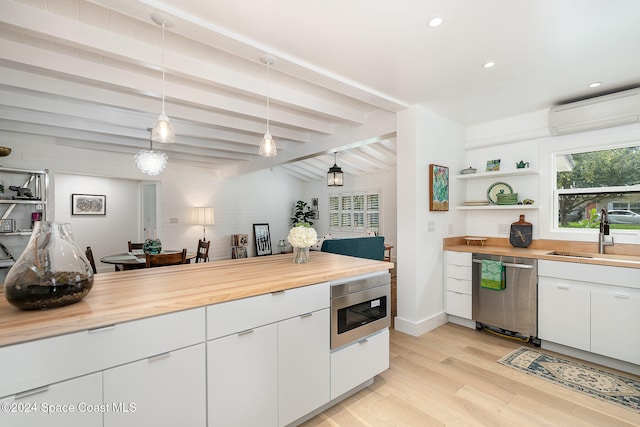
x: 302, y: 236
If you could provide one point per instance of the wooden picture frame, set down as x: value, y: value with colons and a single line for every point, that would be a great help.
x: 88, y: 204
x: 438, y: 188
x: 262, y: 239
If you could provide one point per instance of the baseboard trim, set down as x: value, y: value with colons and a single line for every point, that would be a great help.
x: 421, y: 327
x: 462, y: 321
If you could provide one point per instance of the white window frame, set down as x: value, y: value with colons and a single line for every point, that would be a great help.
x: 557, y: 192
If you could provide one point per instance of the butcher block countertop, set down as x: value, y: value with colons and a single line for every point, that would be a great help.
x: 123, y: 296
x: 619, y: 255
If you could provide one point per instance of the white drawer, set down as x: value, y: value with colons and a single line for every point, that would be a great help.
x: 42, y: 362
x: 459, y: 271
x: 458, y: 304
x: 458, y: 285
x: 458, y: 258
x: 235, y: 316
x: 359, y: 362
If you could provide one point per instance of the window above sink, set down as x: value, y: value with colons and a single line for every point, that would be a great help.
x: 587, y: 182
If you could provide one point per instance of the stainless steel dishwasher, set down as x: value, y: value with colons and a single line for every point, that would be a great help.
x: 512, y: 311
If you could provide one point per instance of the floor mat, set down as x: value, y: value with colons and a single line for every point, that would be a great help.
x: 624, y: 391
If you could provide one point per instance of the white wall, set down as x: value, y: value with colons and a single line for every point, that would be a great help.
x: 383, y: 181
x: 526, y: 137
x: 424, y: 138
x: 106, y: 234
x: 260, y: 197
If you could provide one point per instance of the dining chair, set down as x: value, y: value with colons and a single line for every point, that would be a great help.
x: 202, y: 254
x: 158, y: 260
x: 89, y: 254
x: 133, y: 246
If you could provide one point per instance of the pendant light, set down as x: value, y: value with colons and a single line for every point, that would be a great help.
x: 163, y: 130
x: 334, y: 176
x: 149, y: 161
x: 268, y: 146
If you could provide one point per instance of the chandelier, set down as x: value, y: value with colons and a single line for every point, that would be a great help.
x: 149, y: 161
x: 335, y: 175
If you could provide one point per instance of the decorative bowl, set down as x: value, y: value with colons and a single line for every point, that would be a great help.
x: 468, y: 171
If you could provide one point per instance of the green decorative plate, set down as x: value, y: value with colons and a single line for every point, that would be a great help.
x: 498, y: 188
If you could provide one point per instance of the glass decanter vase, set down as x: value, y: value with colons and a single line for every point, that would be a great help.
x: 51, y: 272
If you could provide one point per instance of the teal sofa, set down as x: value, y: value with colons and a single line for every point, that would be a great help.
x: 361, y: 247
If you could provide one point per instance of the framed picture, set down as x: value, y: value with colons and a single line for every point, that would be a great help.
x: 88, y: 204
x: 238, y: 252
x: 262, y: 239
x: 493, y: 165
x: 438, y: 188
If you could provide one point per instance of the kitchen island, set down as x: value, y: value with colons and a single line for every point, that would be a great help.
x: 145, y: 347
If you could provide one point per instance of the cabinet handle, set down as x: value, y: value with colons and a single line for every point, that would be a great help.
x: 247, y: 332
x: 102, y: 329
x: 621, y: 296
x: 509, y: 264
x: 363, y: 341
x: 31, y: 392
x: 159, y: 356
x: 277, y: 293
x: 302, y: 316
x: 563, y: 287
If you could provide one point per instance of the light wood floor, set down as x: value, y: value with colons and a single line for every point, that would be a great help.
x: 450, y: 377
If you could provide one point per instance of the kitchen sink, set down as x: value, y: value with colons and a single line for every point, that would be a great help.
x: 570, y: 254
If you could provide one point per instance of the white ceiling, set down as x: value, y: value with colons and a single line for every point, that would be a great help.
x: 88, y: 73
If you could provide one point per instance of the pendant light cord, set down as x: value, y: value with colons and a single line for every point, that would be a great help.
x: 268, y: 66
x: 163, y: 84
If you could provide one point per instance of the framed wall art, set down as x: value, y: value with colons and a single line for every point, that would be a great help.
x: 493, y: 165
x: 438, y: 188
x: 88, y: 204
x: 262, y: 239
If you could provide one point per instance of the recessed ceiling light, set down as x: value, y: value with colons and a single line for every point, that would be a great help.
x: 489, y: 64
x: 594, y: 84
x: 435, y: 22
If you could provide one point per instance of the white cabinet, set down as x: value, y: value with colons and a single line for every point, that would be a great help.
x: 615, y: 323
x: 81, y: 353
x: 72, y: 403
x: 458, y: 301
x: 595, y: 308
x: 166, y: 389
x: 564, y: 312
x: 303, y: 365
x: 268, y: 357
x: 139, y: 389
x: 356, y: 363
x: 242, y: 378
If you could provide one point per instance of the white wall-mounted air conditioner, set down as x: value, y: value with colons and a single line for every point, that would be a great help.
x: 616, y: 109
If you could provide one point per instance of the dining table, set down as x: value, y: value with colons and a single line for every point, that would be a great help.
x: 136, y: 259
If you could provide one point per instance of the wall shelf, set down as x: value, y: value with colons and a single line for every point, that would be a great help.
x: 21, y: 201
x: 496, y: 207
x: 516, y: 172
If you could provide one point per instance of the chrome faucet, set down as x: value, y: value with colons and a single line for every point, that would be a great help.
x: 604, y: 239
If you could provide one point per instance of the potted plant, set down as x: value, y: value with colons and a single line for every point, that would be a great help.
x: 302, y: 213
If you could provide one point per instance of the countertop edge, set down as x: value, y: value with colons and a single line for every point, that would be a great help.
x: 615, y: 260
x: 124, y: 296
